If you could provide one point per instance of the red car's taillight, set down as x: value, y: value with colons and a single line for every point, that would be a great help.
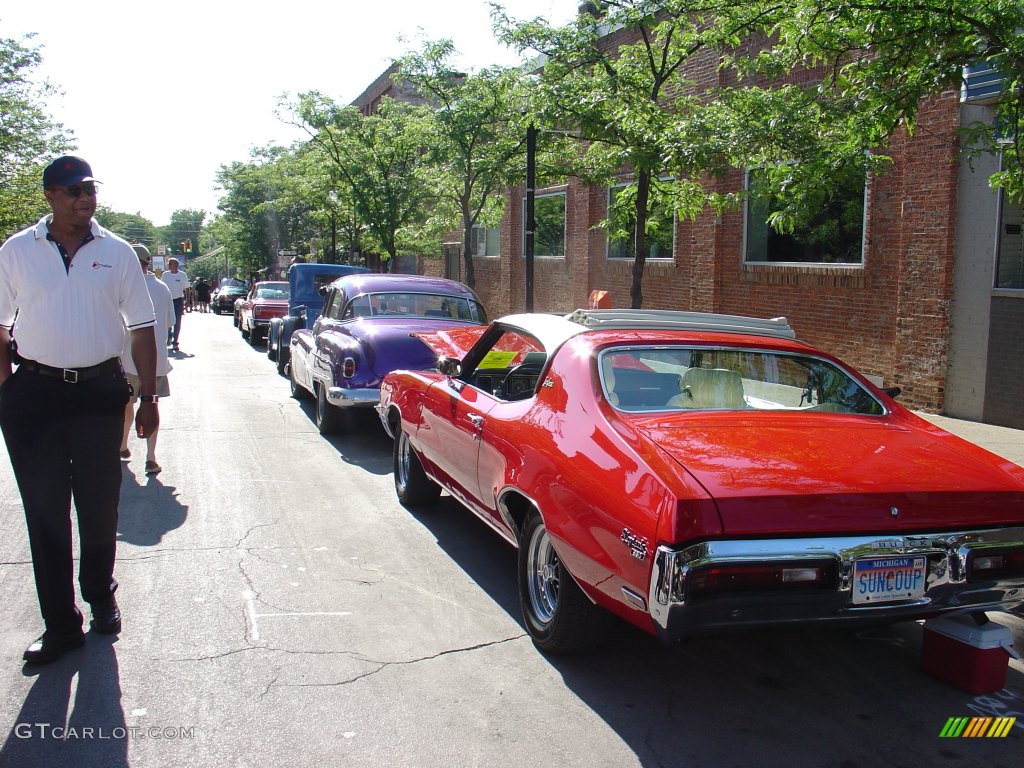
x: 995, y: 565
x: 717, y: 579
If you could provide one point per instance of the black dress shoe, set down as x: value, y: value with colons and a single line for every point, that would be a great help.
x: 51, y: 646
x: 106, y: 617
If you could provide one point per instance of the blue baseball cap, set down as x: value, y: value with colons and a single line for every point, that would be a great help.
x: 66, y: 170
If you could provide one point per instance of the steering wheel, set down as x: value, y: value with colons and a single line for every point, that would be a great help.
x: 522, y: 370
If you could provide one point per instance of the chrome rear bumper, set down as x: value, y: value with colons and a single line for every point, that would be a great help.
x: 353, y: 398
x: 947, y: 587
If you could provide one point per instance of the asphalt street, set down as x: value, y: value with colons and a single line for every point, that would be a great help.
x: 282, y: 609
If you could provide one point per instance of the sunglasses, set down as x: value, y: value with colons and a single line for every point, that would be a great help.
x: 77, y: 190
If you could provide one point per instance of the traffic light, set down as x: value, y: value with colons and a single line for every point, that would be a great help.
x: 188, y: 246
x: 182, y: 244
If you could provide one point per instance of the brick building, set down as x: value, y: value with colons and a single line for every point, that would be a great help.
x: 934, y: 302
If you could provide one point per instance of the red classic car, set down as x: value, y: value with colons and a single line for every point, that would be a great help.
x: 693, y: 473
x: 266, y: 300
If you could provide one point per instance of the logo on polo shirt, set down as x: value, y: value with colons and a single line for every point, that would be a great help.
x: 98, y: 265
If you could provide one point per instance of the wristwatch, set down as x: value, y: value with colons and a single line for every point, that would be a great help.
x: 148, y: 398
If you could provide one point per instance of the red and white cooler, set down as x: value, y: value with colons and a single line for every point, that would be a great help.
x: 971, y: 656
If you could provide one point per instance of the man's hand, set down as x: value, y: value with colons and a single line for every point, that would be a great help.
x: 147, y: 419
x: 143, y: 342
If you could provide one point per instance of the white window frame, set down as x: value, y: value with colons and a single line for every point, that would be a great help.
x: 805, y: 264
x: 608, y: 239
x: 565, y: 215
x: 482, y: 238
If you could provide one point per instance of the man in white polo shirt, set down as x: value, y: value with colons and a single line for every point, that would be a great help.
x: 68, y: 290
x: 177, y: 281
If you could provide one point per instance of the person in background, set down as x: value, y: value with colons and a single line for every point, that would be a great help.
x: 68, y: 290
x: 202, y: 291
x: 177, y: 281
x: 164, y: 308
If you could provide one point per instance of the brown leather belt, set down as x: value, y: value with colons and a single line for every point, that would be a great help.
x: 71, y: 375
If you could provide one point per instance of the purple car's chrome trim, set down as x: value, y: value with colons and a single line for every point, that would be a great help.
x: 947, y: 585
x: 365, y: 397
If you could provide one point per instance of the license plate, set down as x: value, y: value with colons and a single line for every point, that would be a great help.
x: 885, y: 579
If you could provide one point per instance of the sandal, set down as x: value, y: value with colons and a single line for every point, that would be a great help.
x: 126, y: 454
x: 152, y: 468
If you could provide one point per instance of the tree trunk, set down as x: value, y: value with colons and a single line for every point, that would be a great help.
x: 643, y: 193
x: 467, y: 251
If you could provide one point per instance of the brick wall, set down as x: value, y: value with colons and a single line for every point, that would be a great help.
x: 888, y: 317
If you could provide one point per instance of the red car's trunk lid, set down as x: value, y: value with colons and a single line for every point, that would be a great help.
x: 779, y: 474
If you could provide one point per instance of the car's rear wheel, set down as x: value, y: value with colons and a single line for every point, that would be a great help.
x: 298, y: 391
x: 273, y: 341
x: 330, y: 419
x: 412, y: 485
x: 282, y: 360
x: 559, y: 617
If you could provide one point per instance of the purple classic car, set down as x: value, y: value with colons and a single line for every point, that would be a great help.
x: 363, y: 333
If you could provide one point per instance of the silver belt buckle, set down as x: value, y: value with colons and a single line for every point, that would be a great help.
x: 70, y: 376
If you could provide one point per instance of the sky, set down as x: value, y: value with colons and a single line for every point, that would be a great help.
x: 160, y: 95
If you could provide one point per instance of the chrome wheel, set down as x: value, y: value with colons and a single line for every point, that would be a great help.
x: 402, y: 464
x: 542, y: 575
x: 558, y: 615
x: 412, y: 485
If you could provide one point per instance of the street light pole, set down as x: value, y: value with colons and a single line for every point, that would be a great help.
x: 530, y: 224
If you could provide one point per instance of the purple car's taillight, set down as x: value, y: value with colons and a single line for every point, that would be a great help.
x: 348, y: 367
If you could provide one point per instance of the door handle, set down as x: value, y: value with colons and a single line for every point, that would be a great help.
x: 478, y: 423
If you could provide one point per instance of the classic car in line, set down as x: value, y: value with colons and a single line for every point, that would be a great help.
x: 307, y: 283
x: 364, y: 332
x: 267, y: 299
x: 694, y: 473
x: 223, y: 299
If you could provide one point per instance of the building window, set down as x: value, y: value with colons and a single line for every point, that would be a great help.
x: 549, y: 215
x: 622, y: 226
x: 1010, y: 254
x: 831, y: 231
x: 485, y: 241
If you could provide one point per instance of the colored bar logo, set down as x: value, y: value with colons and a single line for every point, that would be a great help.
x: 977, y: 727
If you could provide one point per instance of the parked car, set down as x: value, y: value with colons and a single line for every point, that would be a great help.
x: 694, y: 473
x: 265, y: 301
x: 364, y: 332
x: 306, y: 286
x: 223, y: 299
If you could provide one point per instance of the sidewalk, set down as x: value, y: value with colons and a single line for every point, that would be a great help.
x: 1003, y: 441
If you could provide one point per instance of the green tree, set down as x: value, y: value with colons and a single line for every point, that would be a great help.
x: 882, y: 58
x: 130, y: 226
x: 28, y: 136
x: 332, y: 206
x: 626, y: 96
x: 266, y: 207
x: 381, y: 160
x: 478, y: 132
x: 185, y: 227
x: 211, y: 267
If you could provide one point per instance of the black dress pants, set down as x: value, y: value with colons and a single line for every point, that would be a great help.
x: 63, y: 441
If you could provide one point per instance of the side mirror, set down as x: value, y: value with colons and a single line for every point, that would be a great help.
x: 449, y: 366
x: 893, y: 392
